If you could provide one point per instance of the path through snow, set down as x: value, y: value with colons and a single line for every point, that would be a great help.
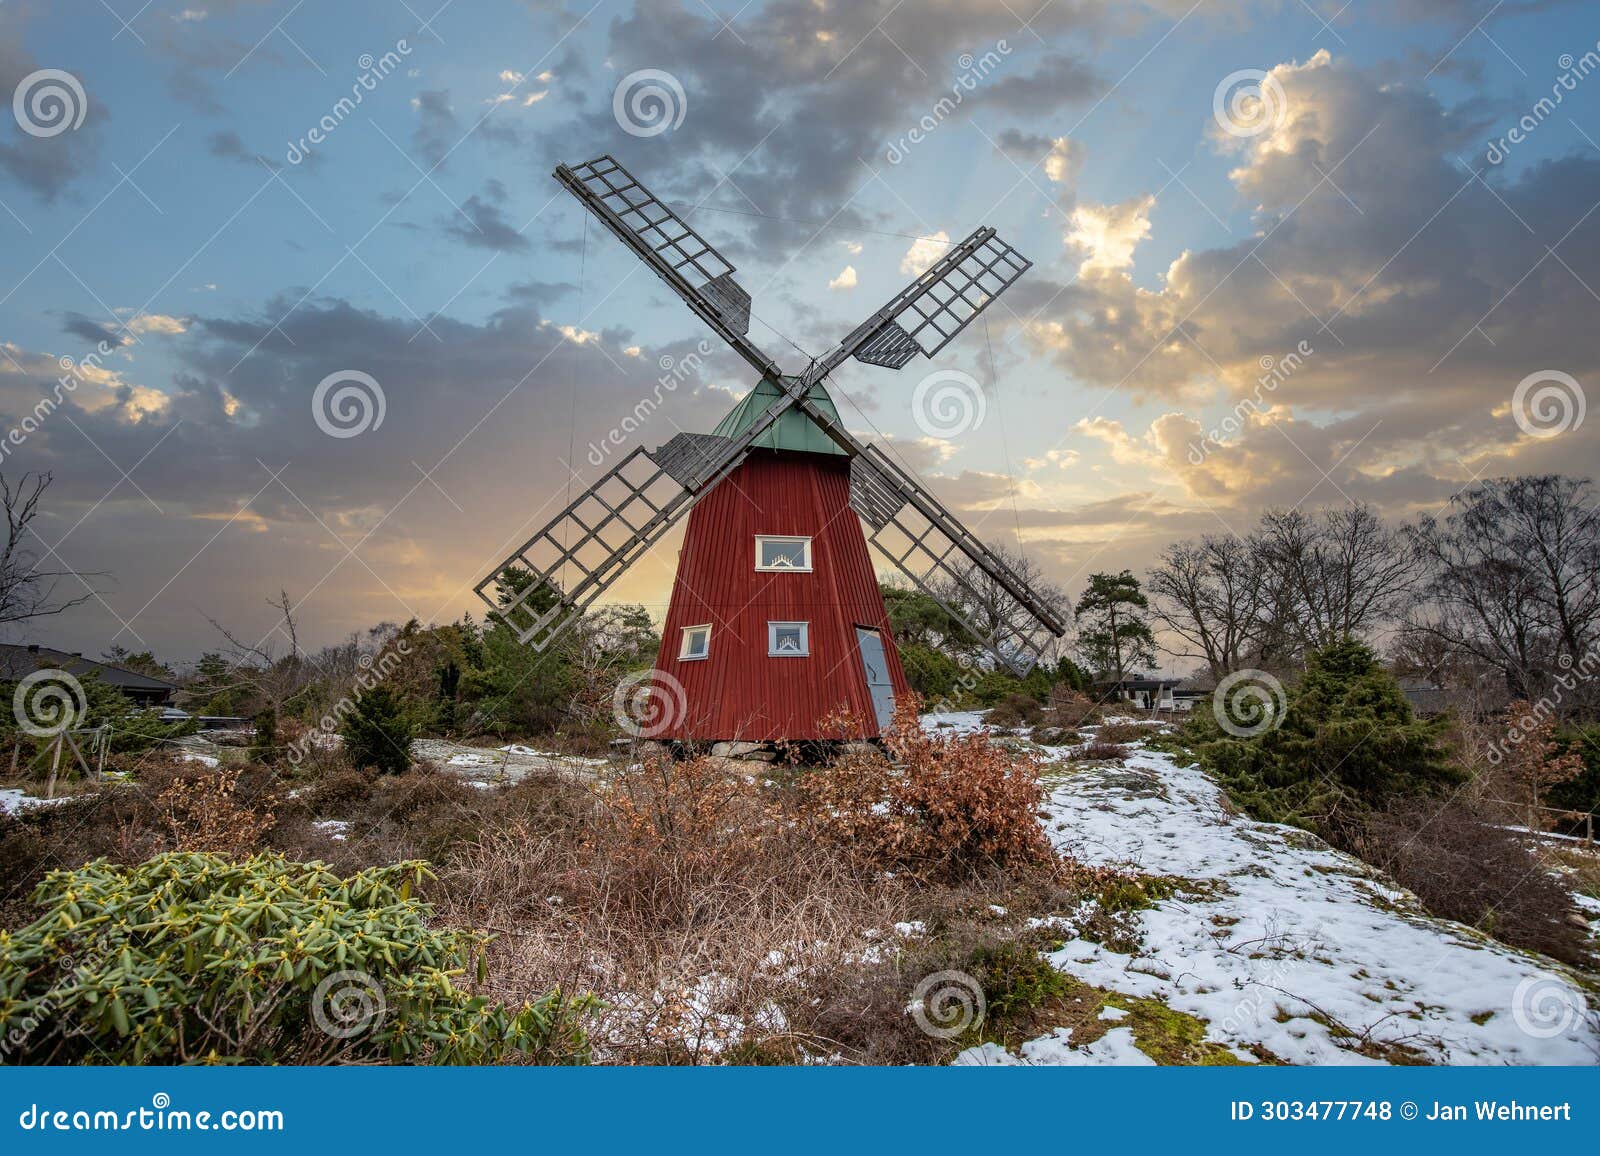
x: 1297, y: 938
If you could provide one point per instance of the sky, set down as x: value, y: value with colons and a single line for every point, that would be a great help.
x: 289, y: 300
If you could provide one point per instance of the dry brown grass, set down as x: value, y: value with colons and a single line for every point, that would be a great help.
x: 1070, y: 709
x: 1096, y: 750
x: 1123, y: 732
x: 706, y: 919
x: 1478, y: 873
x: 207, y: 812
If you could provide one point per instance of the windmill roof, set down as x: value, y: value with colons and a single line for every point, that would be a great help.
x: 792, y: 431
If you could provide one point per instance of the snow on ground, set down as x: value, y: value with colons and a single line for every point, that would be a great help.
x: 535, y: 753
x: 13, y: 801
x: 510, y: 763
x: 1291, y: 942
x: 335, y: 829
x: 1115, y: 1047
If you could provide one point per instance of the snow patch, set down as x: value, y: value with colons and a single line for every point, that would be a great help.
x: 14, y: 802
x: 1300, y: 942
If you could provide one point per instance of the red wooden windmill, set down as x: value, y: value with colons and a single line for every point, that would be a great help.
x: 776, y: 619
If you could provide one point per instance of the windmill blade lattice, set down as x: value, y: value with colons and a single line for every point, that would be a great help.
x: 678, y: 254
x: 945, y: 561
x: 553, y: 578
x: 927, y: 314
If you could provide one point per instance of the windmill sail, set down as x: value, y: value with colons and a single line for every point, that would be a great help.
x: 552, y: 579
x: 678, y: 254
x: 927, y: 314
x: 943, y: 559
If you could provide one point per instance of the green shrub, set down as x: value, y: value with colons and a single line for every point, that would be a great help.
x: 1348, y: 742
x: 264, y: 737
x: 1580, y: 793
x: 377, y: 732
x: 192, y: 958
x: 1015, y: 978
x: 1015, y: 710
x: 932, y: 673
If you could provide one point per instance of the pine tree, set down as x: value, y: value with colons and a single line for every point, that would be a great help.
x: 1348, y: 742
x: 377, y: 732
x: 1113, y: 636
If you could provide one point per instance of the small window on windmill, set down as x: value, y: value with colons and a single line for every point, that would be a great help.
x: 696, y: 643
x: 775, y: 553
x: 788, y: 639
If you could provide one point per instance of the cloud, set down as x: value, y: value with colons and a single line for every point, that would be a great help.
x: 535, y: 292
x: 45, y: 165
x: 1426, y: 293
x: 1064, y: 161
x: 805, y: 90
x: 1059, y: 79
x: 228, y: 146
x: 160, y: 323
x: 924, y: 252
x: 92, y: 331
x: 481, y: 223
x: 437, y: 129
x: 845, y: 280
x: 1110, y: 233
x: 488, y: 409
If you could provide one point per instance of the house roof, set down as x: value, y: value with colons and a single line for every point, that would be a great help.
x: 20, y: 661
x: 792, y: 431
x: 1138, y: 683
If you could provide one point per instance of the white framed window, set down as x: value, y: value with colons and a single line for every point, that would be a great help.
x: 788, y: 639
x: 774, y: 552
x: 696, y: 643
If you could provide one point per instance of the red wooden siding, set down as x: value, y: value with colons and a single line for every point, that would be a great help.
x: 739, y: 692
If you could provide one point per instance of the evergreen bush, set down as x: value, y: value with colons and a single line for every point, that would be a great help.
x: 193, y: 958
x: 377, y: 732
x: 1348, y: 743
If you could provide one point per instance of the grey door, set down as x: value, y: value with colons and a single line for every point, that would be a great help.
x: 876, y: 667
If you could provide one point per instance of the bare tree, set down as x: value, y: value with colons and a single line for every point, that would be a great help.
x: 1513, y: 579
x: 1342, y: 571
x: 1208, y: 591
x: 267, y: 677
x: 26, y: 590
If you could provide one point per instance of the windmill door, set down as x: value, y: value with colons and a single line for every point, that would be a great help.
x: 876, y: 668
